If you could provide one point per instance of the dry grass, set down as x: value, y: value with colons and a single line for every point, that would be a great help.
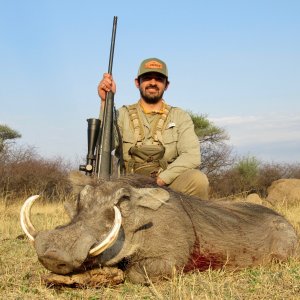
x: 20, y: 272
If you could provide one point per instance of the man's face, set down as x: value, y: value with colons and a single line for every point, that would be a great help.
x: 152, y: 87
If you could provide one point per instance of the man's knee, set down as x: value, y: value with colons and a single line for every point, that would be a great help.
x: 192, y: 182
x: 199, y: 184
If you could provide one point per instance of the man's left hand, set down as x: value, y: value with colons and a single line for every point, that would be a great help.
x: 160, y: 182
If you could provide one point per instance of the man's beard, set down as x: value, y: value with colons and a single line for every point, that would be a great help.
x: 151, y: 98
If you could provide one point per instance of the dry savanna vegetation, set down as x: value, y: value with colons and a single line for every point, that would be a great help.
x: 24, y: 173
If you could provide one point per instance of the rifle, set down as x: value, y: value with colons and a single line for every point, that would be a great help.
x: 100, y: 136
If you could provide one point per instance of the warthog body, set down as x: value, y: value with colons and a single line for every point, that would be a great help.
x: 162, y: 230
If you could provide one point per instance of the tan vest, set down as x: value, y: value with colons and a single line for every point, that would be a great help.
x: 147, y: 159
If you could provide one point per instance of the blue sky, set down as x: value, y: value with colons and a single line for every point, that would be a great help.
x: 238, y: 62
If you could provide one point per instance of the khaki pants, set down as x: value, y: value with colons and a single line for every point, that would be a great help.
x: 192, y: 182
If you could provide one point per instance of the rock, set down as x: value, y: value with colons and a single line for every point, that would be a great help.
x: 254, y: 198
x: 284, y: 191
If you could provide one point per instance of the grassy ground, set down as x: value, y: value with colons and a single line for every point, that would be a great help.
x: 20, y: 271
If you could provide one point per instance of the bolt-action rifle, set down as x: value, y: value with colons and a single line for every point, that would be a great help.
x: 100, y: 136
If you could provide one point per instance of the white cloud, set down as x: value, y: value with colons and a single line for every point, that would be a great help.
x: 233, y: 120
x: 270, y: 132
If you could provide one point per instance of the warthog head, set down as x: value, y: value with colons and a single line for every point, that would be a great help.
x: 95, y: 224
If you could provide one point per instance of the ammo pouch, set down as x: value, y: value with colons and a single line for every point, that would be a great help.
x: 146, y: 160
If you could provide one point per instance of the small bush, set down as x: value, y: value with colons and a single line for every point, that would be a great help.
x: 23, y: 172
x: 247, y: 169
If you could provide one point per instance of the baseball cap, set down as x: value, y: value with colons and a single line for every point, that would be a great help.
x: 152, y: 65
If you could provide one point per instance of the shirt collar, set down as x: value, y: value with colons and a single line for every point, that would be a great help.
x: 161, y: 111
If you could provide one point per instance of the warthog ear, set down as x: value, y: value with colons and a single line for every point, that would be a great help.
x: 150, y: 197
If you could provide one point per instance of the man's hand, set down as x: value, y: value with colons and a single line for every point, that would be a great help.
x: 160, y: 182
x: 106, y: 84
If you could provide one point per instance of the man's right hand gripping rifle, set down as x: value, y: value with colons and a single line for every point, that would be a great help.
x: 106, y: 85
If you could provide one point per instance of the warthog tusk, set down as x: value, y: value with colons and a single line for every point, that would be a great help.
x: 111, y: 237
x: 26, y: 224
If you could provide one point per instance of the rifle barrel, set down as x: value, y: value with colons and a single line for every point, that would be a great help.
x: 104, y: 156
x: 112, y: 45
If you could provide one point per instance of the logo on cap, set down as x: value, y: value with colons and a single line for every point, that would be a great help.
x: 153, y: 65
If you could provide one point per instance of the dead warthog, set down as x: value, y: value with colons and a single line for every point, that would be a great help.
x: 148, y: 231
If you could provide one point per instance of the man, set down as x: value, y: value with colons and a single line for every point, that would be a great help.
x: 158, y: 140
